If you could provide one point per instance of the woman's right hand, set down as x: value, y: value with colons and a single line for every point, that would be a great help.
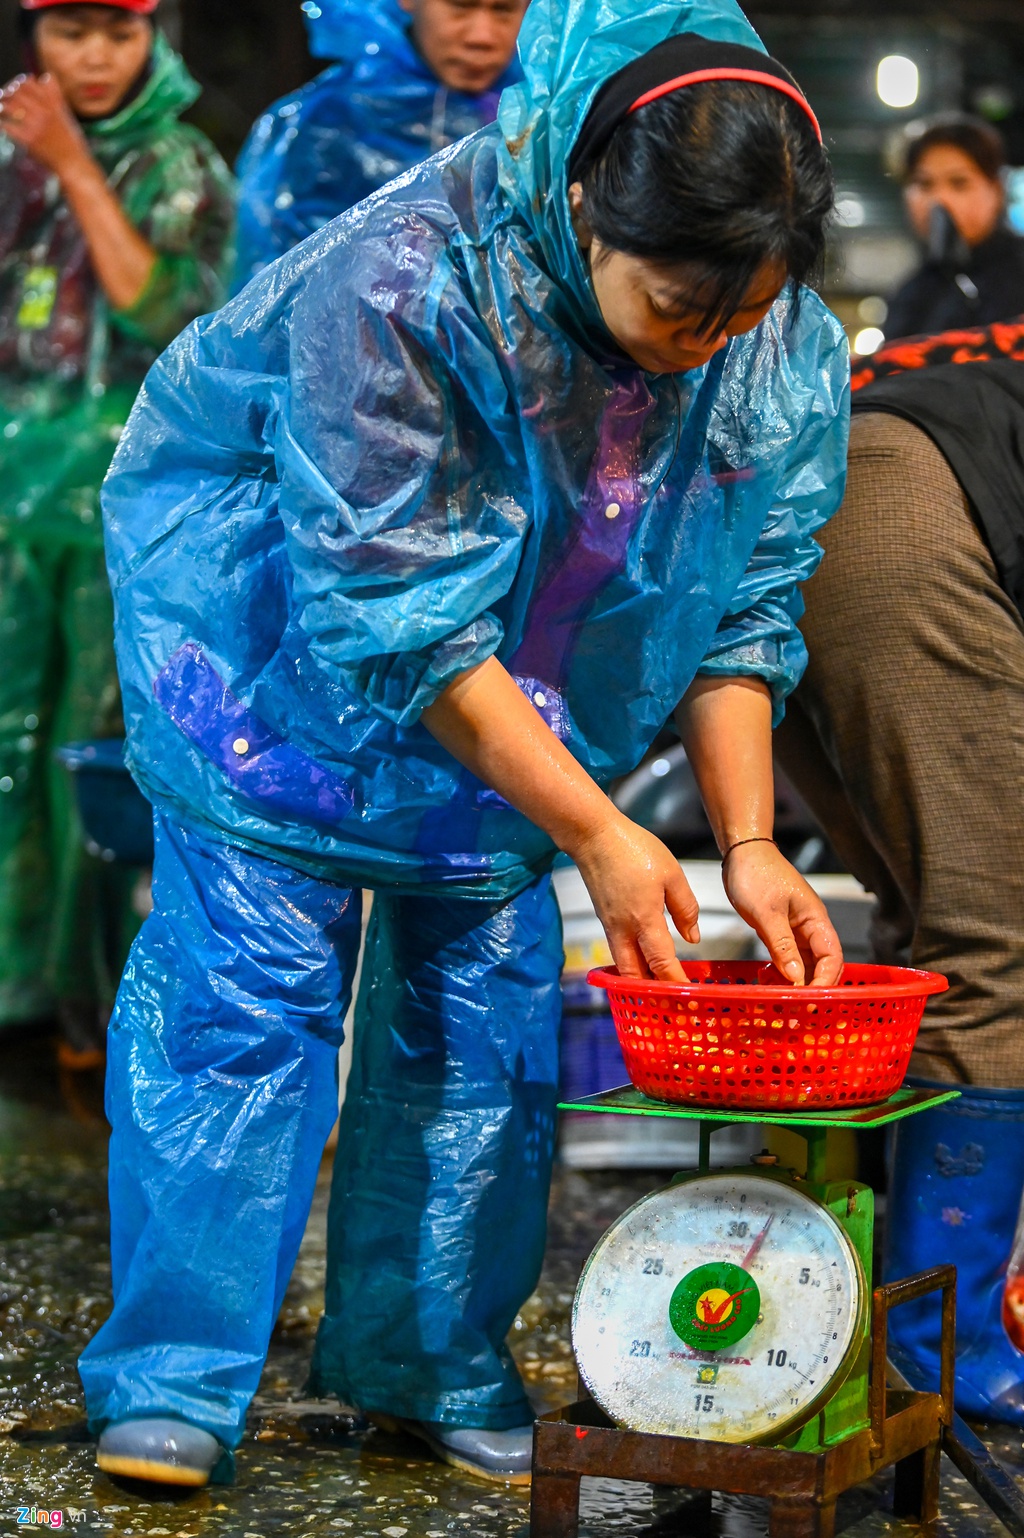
x: 487, y: 723
x: 632, y: 879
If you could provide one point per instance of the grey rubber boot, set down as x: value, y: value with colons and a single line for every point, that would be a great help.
x: 168, y: 1452
x: 505, y: 1457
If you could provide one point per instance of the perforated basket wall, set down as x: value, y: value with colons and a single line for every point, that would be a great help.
x: 731, y: 1038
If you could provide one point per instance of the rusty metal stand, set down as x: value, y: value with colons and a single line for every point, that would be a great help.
x: 906, y: 1429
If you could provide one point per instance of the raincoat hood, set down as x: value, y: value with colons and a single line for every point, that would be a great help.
x: 343, y: 29
x: 569, y: 48
x: 169, y: 91
x: 378, y: 31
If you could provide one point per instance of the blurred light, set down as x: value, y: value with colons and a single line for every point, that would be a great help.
x: 873, y: 310
x: 994, y: 101
x: 898, y: 81
x: 850, y: 211
x: 660, y: 768
x: 312, y: 10
x: 868, y: 341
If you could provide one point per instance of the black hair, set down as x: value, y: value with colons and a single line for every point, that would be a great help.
x: 720, y: 177
x: 977, y: 139
x: 28, y: 20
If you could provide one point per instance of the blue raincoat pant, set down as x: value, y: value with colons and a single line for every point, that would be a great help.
x: 222, y: 1089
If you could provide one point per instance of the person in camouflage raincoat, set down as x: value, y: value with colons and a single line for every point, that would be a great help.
x: 115, y: 223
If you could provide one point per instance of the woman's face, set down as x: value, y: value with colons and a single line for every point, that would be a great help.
x: 94, y: 53
x: 650, y: 313
x: 947, y: 176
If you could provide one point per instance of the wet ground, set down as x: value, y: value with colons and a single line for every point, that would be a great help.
x: 306, y: 1468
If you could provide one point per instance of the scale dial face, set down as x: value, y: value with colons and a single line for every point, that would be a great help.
x: 727, y: 1307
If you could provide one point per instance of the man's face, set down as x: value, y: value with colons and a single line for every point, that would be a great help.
x: 467, y: 43
x: 94, y: 52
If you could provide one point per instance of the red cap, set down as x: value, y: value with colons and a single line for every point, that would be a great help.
x: 138, y: 7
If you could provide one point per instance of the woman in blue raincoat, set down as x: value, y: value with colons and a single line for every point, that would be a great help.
x: 412, y: 77
x: 415, y: 545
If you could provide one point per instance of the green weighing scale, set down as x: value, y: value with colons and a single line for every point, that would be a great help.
x: 728, y: 1337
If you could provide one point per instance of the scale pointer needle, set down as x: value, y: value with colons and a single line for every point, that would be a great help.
x: 752, y: 1253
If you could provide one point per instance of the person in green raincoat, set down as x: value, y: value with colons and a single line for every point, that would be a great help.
x: 115, y: 223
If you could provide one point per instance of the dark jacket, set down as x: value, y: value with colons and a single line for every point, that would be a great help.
x: 974, y: 413
x: 989, y: 286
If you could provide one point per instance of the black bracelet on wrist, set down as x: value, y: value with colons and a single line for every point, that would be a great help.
x: 761, y: 839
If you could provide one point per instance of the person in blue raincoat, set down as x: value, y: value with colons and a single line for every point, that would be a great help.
x: 416, y: 545
x: 413, y: 76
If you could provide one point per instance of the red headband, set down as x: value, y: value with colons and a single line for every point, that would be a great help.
x: 137, y: 7
x: 755, y: 76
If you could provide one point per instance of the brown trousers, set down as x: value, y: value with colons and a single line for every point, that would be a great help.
x: 906, y: 738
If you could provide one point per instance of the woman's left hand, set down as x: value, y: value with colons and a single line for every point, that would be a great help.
x: 786, y: 912
x: 35, y: 115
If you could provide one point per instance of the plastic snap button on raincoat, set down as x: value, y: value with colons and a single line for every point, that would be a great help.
x: 408, y: 433
x: 375, y: 114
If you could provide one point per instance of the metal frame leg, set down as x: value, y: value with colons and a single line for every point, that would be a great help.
x: 802, y: 1518
x: 916, y: 1494
x: 555, y: 1506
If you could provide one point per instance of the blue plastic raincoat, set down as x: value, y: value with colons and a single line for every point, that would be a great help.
x: 377, y: 113
x: 408, y: 446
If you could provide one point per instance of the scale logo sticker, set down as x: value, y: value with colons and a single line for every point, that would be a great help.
x: 714, y: 1306
x: 707, y: 1375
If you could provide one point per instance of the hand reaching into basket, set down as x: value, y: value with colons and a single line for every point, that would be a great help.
x: 632, y: 879
x: 487, y: 723
x: 786, y: 912
x: 726, y: 727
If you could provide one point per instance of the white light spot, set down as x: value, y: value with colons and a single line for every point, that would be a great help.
x: 540, y: 700
x: 660, y: 768
x: 372, y: 48
x: 31, y: 722
x: 873, y: 310
x: 850, y: 212
x: 868, y: 341
x: 612, y: 510
x: 6, y: 784
x: 898, y: 81
x: 11, y: 430
x: 240, y: 746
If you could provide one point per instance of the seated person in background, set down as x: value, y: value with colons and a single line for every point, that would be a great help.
x: 973, y: 270
x: 907, y: 740
x: 114, y: 222
x: 414, y: 76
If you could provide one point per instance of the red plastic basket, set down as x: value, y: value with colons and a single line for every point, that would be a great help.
x: 736, y: 1035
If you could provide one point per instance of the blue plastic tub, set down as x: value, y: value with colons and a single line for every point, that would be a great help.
x: 117, y: 818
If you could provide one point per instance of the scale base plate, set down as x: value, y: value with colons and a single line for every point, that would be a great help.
x: 627, y: 1101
